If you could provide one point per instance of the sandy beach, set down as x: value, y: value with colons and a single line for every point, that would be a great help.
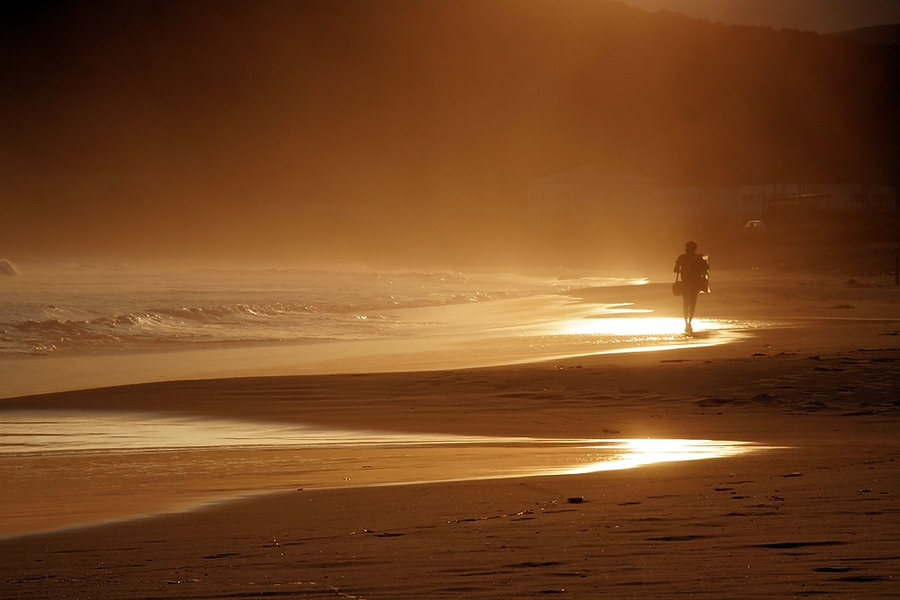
x: 814, y: 514
x: 374, y: 299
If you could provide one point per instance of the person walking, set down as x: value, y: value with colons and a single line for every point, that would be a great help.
x: 694, y: 271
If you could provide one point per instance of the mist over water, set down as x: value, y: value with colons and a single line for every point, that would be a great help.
x: 71, y: 325
x: 403, y: 135
x: 409, y: 132
x: 65, y: 308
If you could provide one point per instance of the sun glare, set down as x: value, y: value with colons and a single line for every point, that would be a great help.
x: 629, y: 453
x: 634, y: 326
x: 68, y: 469
x: 623, y: 326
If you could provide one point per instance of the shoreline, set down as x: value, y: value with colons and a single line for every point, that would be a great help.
x: 740, y: 300
x: 464, y: 336
x: 818, y: 516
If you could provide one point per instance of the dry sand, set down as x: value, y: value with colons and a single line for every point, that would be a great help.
x: 816, y: 518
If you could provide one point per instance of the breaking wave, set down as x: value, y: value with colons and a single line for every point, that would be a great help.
x: 7, y: 268
x: 86, y: 308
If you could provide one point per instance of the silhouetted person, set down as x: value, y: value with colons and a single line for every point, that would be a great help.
x: 693, y: 269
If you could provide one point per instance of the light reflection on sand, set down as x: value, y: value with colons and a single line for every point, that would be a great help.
x: 637, y: 326
x: 597, y: 328
x: 458, y: 336
x: 69, y: 469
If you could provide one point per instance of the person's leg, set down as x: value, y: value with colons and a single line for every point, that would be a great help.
x: 690, y: 304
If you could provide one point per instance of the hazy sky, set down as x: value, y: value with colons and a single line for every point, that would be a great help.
x: 299, y: 124
x: 823, y: 16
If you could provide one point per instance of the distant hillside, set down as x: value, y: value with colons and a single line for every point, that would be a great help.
x: 879, y: 34
x: 262, y: 109
x: 344, y: 96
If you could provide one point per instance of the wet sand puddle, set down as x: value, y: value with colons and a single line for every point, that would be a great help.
x: 74, y: 469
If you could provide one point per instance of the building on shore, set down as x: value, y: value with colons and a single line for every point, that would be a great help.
x: 597, y: 194
x: 812, y: 199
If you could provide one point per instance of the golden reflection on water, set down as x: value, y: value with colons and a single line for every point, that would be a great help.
x: 66, y: 469
x: 638, y: 452
x: 640, y: 326
x: 611, y: 328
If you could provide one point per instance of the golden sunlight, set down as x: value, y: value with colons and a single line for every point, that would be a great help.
x: 639, y: 452
x: 636, y: 326
x: 76, y: 460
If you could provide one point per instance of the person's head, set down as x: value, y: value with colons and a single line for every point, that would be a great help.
x: 690, y: 247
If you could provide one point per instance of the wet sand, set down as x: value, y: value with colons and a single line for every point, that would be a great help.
x: 454, y: 336
x: 73, y: 469
x: 817, y: 517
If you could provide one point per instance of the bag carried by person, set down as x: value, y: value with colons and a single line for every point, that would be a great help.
x: 704, y: 284
x: 704, y: 276
x: 678, y: 286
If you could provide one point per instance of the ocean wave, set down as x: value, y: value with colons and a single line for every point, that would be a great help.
x: 58, y: 332
x: 7, y: 268
x: 71, y: 308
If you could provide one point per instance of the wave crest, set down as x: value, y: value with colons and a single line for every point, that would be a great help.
x: 7, y: 268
